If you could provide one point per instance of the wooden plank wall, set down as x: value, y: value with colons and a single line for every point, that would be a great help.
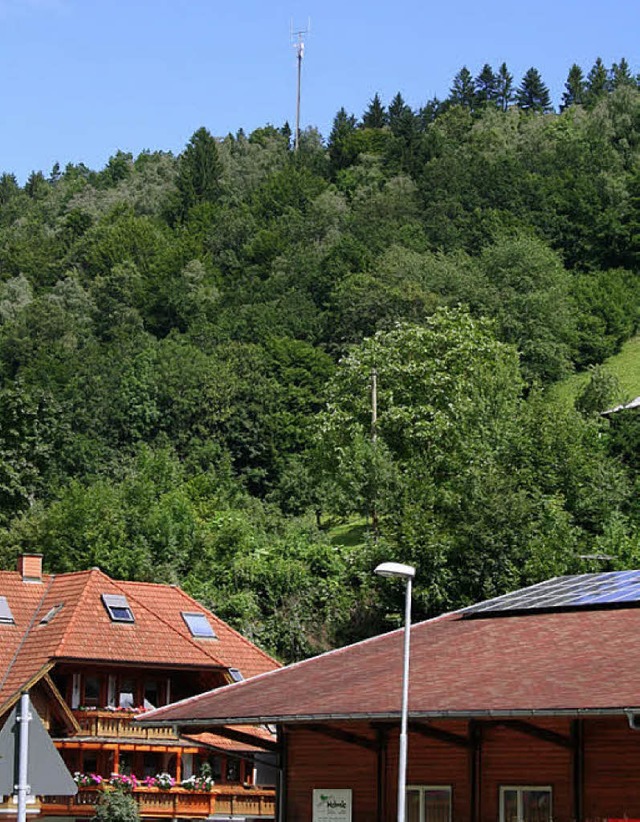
x: 612, y: 769
x: 316, y: 761
x: 432, y: 762
x: 509, y: 756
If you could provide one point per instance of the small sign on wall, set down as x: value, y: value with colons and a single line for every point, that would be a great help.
x: 332, y: 805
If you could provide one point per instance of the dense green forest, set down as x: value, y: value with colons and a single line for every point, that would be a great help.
x: 189, y: 345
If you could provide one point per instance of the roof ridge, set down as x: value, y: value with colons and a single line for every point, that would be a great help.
x: 91, y: 573
x: 182, y: 636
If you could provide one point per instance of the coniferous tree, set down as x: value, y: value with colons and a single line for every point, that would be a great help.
x: 36, y: 185
x: 286, y: 132
x: 504, y: 88
x: 575, y: 88
x: 430, y: 111
x: 631, y: 223
x: 463, y: 92
x: 397, y: 112
x: 199, y: 171
x: 486, y: 86
x: 533, y: 95
x: 375, y: 116
x: 621, y: 75
x: 340, y: 152
x: 598, y: 83
x: 8, y: 187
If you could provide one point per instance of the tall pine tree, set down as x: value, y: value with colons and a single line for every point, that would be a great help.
x: 621, y: 75
x: 533, y: 95
x: 397, y: 112
x: 463, y: 91
x: 504, y: 88
x: 375, y: 116
x: 598, y: 83
x: 341, y: 153
x: 575, y: 88
x: 199, y: 171
x: 486, y: 87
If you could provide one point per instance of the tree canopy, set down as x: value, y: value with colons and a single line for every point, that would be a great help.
x: 189, y: 347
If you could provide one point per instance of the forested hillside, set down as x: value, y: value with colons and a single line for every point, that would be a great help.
x: 188, y: 348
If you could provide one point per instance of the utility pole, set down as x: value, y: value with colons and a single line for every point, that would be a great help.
x: 297, y: 38
x: 374, y: 404
x: 374, y: 439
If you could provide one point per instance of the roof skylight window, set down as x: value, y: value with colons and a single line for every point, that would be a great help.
x: 118, y: 608
x: 236, y: 675
x: 198, y: 624
x: 6, y: 617
x: 46, y: 619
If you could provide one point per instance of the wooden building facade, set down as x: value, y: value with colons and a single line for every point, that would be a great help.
x: 94, y: 654
x: 480, y: 770
x: 525, y: 712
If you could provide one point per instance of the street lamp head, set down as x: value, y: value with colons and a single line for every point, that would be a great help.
x: 395, y: 569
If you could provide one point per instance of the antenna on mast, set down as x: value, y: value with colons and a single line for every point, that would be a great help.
x: 297, y: 39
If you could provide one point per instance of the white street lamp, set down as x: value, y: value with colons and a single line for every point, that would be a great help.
x: 406, y: 572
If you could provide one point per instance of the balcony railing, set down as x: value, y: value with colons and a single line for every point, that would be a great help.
x: 176, y: 803
x: 118, y: 725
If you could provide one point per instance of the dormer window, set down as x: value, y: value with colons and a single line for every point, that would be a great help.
x: 198, y: 624
x: 46, y: 619
x: 6, y: 617
x: 118, y: 608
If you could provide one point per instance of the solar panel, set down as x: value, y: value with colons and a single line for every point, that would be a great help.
x: 576, y: 591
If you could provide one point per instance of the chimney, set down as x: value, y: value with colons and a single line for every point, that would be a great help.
x: 30, y: 567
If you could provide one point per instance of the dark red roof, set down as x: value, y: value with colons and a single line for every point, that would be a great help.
x: 83, y: 630
x: 584, y: 660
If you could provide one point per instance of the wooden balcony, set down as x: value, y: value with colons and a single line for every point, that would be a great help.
x: 177, y: 803
x: 118, y: 725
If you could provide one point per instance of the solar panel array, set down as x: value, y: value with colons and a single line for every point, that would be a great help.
x: 577, y: 591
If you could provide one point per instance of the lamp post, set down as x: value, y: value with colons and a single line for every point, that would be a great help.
x: 406, y: 572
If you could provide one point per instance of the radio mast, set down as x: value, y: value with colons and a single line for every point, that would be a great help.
x: 297, y: 38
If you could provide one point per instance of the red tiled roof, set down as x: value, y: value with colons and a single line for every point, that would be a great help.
x: 82, y: 629
x: 540, y: 662
x: 226, y: 744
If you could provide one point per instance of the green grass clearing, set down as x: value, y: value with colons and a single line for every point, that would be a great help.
x: 350, y: 534
x: 625, y: 366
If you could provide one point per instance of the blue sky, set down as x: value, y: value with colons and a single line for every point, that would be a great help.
x: 80, y: 79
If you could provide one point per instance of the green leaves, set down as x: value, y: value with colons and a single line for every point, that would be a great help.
x: 199, y: 171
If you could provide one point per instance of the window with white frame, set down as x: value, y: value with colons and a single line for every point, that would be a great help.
x: 428, y: 803
x: 525, y: 803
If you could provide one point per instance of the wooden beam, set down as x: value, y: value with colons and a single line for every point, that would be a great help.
x: 535, y: 731
x: 577, y: 737
x: 66, y: 711
x: 382, y: 737
x: 475, y: 770
x: 440, y: 734
x: 26, y: 686
x: 342, y: 736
